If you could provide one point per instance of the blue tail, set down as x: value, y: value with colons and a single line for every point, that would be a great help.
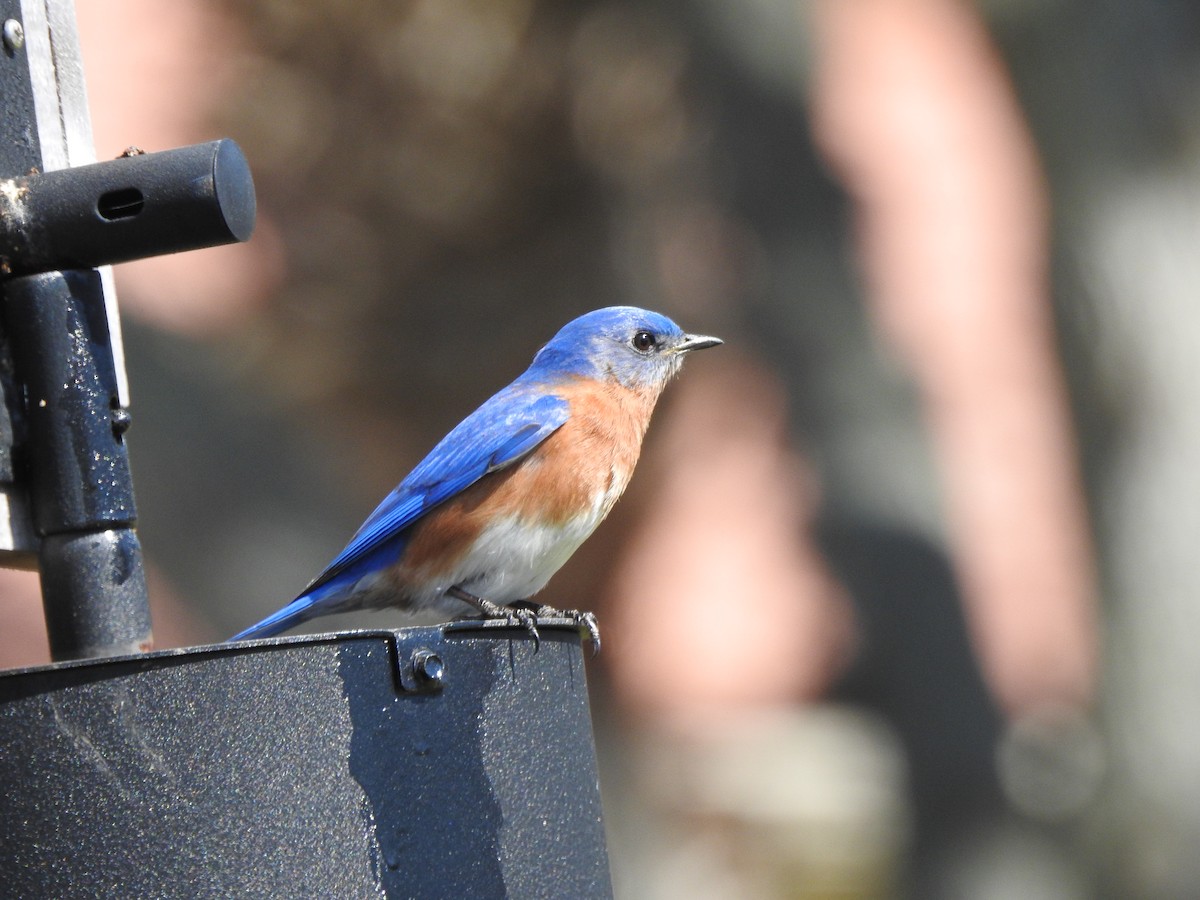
x: 327, y: 594
x: 299, y: 610
x: 326, y: 598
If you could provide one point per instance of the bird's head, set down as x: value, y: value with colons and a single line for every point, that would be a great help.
x: 638, y: 348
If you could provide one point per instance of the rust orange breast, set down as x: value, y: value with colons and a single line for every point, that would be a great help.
x: 580, y: 470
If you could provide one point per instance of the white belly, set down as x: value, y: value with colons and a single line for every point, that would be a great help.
x: 512, y: 559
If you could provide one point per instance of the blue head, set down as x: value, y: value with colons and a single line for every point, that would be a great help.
x: 638, y: 348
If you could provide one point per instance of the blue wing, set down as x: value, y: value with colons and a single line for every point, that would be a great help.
x: 504, y: 429
x: 497, y: 435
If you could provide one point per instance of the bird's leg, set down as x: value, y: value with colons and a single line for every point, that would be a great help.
x: 586, y: 622
x: 490, y: 610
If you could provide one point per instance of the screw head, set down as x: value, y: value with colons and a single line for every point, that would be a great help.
x: 120, y: 421
x: 428, y: 668
x: 14, y: 35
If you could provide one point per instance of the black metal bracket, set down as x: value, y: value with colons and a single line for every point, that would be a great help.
x: 139, y: 205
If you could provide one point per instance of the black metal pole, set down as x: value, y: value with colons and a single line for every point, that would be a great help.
x: 81, y: 492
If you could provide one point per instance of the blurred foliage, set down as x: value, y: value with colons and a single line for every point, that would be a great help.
x: 447, y: 176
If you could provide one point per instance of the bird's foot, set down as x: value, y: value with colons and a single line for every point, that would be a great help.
x: 589, y: 628
x: 518, y: 616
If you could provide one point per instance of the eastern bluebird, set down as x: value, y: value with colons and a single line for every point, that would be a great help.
x: 504, y: 500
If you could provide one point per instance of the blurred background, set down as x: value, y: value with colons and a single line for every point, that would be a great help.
x: 901, y: 601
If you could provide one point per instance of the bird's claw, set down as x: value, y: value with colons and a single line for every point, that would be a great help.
x: 524, y: 614
x: 516, y: 616
x: 589, y: 628
x: 526, y: 619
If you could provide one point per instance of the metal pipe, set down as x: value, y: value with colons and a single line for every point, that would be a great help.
x: 74, y: 453
x: 142, y: 204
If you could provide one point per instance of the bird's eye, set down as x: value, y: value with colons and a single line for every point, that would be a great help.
x: 644, y: 342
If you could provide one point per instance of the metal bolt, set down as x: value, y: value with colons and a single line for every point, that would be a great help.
x: 428, y: 668
x: 120, y: 421
x: 14, y: 35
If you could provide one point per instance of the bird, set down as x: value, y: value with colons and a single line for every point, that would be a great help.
x: 507, y: 496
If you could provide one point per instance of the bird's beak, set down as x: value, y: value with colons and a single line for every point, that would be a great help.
x: 696, y: 342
